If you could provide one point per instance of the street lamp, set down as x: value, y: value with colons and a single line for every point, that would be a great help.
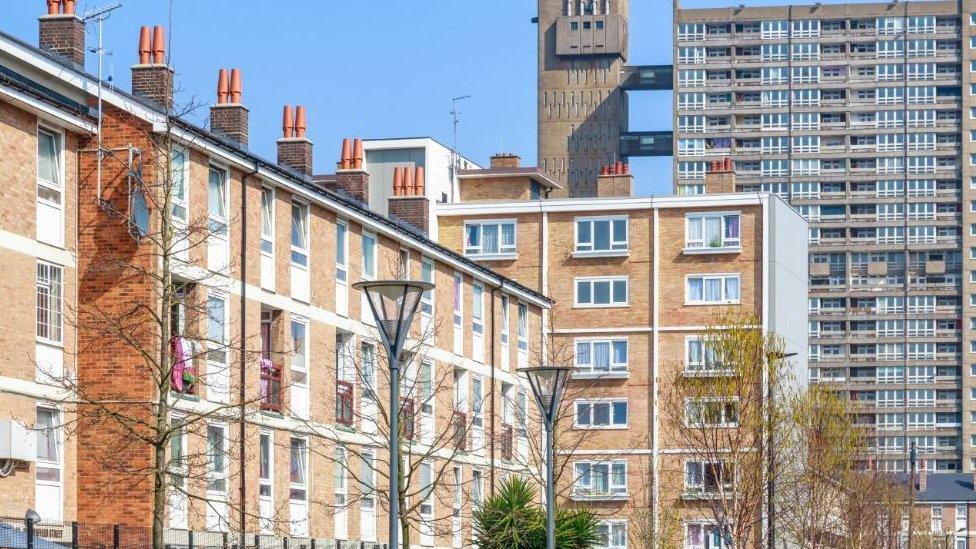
x: 774, y: 356
x: 547, y: 384
x: 393, y: 304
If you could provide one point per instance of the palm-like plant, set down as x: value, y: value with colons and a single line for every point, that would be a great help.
x: 512, y: 520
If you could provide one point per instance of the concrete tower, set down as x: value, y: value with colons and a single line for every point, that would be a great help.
x: 582, y: 106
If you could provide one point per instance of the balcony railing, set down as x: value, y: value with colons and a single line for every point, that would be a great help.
x: 344, y: 403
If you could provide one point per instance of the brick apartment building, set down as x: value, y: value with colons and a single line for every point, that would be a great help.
x: 627, y: 276
x: 271, y: 330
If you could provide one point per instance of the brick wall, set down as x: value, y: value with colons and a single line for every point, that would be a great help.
x: 63, y: 35
x: 414, y: 210
x: 153, y: 82
x: 495, y: 188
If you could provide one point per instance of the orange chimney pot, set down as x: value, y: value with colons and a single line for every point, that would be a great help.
x: 728, y: 164
x: 236, y: 87
x: 223, y: 87
x: 397, y: 181
x: 346, y: 161
x: 69, y: 7
x: 287, y: 123
x: 144, y: 44
x: 626, y: 169
x: 357, y: 155
x: 408, y: 188
x: 418, y: 182
x: 159, y: 45
x: 53, y: 7
x: 301, y: 121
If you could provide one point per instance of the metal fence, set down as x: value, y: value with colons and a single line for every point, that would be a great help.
x: 19, y: 534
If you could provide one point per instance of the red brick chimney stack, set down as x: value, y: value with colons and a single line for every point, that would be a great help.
x: 351, y: 178
x: 294, y: 147
x: 229, y: 117
x: 409, y: 202
x: 152, y: 78
x: 720, y: 177
x: 615, y: 180
x: 62, y: 32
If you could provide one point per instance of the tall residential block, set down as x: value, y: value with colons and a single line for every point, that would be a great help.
x: 862, y: 117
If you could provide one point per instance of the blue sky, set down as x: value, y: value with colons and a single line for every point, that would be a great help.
x: 373, y: 68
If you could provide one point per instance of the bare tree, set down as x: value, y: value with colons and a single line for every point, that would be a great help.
x: 175, y: 342
x: 722, y: 417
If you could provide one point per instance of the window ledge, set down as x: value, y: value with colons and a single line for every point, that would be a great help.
x: 601, y: 375
x: 710, y: 303
x: 718, y: 250
x: 607, y: 306
x: 492, y: 257
x: 272, y: 413
x: 608, y: 253
x: 708, y: 373
x: 345, y: 428
x: 599, y: 497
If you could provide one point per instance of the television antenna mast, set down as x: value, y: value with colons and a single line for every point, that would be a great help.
x: 100, y: 15
x: 455, y: 157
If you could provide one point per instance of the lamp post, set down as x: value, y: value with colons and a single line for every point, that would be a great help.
x: 393, y: 304
x: 770, y: 459
x: 547, y: 384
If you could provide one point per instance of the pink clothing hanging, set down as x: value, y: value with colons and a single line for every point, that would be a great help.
x: 182, y: 361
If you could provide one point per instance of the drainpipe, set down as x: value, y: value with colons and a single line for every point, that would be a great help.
x: 491, y: 362
x: 241, y: 393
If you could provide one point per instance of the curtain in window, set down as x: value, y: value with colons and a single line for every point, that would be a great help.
x: 473, y: 233
x: 489, y: 239
x: 266, y: 213
x: 47, y: 436
x: 299, y: 232
x: 695, y: 289
x: 713, y: 230
x: 508, y: 237
x: 713, y: 289
x: 732, y: 288
x: 619, y: 475
x: 694, y: 352
x: 297, y: 461
x: 601, y: 355
x: 732, y: 227
x: 217, y: 195
x: 600, y: 475
x: 695, y: 233
x: 583, y: 354
x: 48, y: 169
x: 620, y: 352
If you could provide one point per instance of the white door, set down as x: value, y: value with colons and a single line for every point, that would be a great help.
x: 47, y: 486
x: 298, y: 511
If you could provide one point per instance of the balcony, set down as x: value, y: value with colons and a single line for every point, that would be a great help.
x: 270, y: 386
x: 459, y: 421
x: 508, y: 439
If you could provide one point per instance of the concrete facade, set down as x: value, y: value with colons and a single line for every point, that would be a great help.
x: 859, y: 116
x: 582, y: 109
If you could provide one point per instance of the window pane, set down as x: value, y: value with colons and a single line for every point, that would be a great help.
x: 489, y: 239
x: 601, y: 355
x: 47, y: 159
x: 620, y: 352
x: 583, y: 292
x: 299, y: 231
x: 583, y: 235
x: 601, y: 413
x: 695, y: 289
x: 583, y: 354
x: 369, y: 256
x: 266, y: 221
x: 619, y: 413
x: 217, y: 195
x: 619, y: 230
x: 582, y: 413
x: 601, y: 230
x: 601, y: 292
x: 732, y: 288
x: 713, y: 289
x: 620, y: 291
x: 47, y: 435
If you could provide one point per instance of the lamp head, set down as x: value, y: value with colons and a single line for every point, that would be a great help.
x: 547, y: 384
x: 393, y: 304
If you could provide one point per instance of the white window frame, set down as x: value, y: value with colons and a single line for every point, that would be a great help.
x: 614, y: 422
x: 54, y: 315
x: 588, y: 369
x: 723, y: 423
x: 586, y: 491
x: 476, y: 250
x: 52, y: 465
x: 724, y: 277
x: 216, y: 369
x: 593, y: 281
x: 616, y: 246
x: 726, y: 244
x: 302, y: 255
x: 268, y: 210
x: 59, y: 186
